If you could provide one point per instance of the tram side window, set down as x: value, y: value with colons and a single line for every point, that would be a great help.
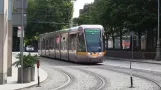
x: 53, y: 40
x: 38, y: 44
x: 57, y: 42
x: 63, y: 43
x: 46, y: 46
x: 72, y: 42
x: 43, y: 44
x: 81, y: 43
x: 50, y: 43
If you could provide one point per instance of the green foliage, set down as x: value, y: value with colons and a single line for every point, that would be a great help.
x: 128, y: 15
x: 85, y: 16
x: 28, y: 60
x: 46, y: 16
x: 120, y: 17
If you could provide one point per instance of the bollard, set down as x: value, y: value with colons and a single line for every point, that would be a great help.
x: 38, y: 77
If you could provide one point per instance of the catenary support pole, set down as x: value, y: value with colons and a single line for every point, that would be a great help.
x: 21, y: 41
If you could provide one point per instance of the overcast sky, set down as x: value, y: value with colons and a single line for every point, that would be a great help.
x: 79, y: 5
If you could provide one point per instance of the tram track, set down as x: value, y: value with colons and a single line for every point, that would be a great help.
x: 85, y: 77
x: 68, y: 82
x: 140, y: 74
x: 99, y: 85
x: 100, y: 80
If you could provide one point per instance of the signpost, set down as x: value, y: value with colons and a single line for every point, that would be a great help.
x: 19, y: 33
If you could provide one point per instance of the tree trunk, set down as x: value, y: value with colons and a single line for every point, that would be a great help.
x: 113, y: 38
x: 139, y: 38
x: 131, y: 43
x: 106, y: 43
x: 121, y: 39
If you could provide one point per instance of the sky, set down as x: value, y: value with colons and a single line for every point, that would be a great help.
x: 79, y: 5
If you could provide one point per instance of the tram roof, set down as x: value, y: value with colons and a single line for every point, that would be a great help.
x: 72, y: 29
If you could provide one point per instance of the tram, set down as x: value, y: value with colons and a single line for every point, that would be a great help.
x: 84, y: 43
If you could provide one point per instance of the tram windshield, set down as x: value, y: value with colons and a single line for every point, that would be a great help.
x: 93, y: 40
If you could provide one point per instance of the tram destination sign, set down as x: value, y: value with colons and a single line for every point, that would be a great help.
x: 87, y: 30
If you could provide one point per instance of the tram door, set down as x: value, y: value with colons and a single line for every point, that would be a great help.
x: 47, y: 47
x: 64, y: 45
x: 43, y: 47
x: 57, y: 46
x: 72, y: 46
x: 40, y: 46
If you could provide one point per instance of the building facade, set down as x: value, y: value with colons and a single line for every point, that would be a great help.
x: 10, y: 16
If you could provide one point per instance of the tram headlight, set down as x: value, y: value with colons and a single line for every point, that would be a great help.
x: 100, y: 53
x: 89, y: 53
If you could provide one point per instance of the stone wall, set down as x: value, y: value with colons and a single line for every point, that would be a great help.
x: 128, y: 54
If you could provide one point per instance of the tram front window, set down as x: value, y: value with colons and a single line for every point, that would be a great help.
x: 93, y: 40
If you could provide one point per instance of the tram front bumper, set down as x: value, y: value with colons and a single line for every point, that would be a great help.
x: 90, y: 59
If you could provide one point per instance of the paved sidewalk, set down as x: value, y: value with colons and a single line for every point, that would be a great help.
x: 12, y: 81
x: 135, y: 60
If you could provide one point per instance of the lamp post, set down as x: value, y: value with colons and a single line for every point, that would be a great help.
x: 131, y: 76
x: 158, y: 41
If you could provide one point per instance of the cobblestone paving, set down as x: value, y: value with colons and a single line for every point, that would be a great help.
x: 145, y: 70
x: 119, y: 81
x: 84, y: 81
x: 136, y: 65
x: 55, y: 79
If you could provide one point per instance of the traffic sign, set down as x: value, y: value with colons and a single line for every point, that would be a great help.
x: 19, y: 33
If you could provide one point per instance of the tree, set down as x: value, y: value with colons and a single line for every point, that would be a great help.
x: 85, y: 15
x: 47, y: 16
x: 120, y: 17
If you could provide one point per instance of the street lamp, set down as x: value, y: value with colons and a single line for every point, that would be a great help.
x: 158, y: 41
